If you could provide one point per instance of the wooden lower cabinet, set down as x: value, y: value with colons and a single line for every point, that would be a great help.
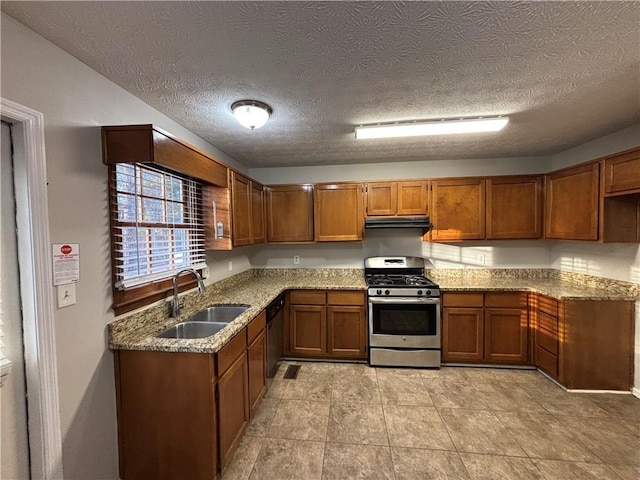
x: 166, y: 415
x: 257, y: 364
x: 485, y: 328
x: 233, y: 399
x: 329, y: 324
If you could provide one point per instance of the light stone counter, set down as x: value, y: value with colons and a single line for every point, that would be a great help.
x: 257, y: 288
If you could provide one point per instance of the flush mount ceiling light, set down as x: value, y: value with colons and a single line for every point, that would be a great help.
x: 435, y: 127
x: 251, y: 113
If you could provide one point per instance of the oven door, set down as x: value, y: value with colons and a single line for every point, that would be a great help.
x: 404, y: 322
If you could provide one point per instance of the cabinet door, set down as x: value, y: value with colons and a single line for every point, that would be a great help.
x: 382, y: 198
x: 257, y: 214
x: 514, y: 207
x: 240, y: 201
x: 257, y: 359
x: 307, y: 330
x: 347, y: 331
x: 221, y: 213
x: 457, y: 209
x: 338, y: 212
x: 290, y: 213
x: 622, y: 173
x: 412, y: 198
x: 572, y: 203
x: 462, y: 334
x: 505, y: 335
x: 233, y: 408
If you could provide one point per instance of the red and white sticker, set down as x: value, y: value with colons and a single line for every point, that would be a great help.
x: 66, y: 263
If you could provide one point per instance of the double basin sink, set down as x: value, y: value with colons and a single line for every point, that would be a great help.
x: 205, y: 323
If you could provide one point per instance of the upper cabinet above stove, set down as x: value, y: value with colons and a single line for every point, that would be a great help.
x: 397, y: 198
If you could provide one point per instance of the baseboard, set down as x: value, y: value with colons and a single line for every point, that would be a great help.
x: 636, y: 392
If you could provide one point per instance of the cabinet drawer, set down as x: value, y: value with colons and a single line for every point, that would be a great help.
x: 548, y: 305
x: 307, y: 297
x: 256, y: 326
x: 231, y: 351
x: 345, y: 298
x: 547, y: 340
x: 462, y: 300
x: 547, y: 362
x: 548, y: 322
x: 510, y: 300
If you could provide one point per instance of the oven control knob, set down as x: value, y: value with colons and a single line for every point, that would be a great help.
x: 386, y: 292
x: 428, y: 292
x: 379, y: 292
x: 419, y: 292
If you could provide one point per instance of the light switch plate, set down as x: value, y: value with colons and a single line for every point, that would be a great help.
x: 66, y: 295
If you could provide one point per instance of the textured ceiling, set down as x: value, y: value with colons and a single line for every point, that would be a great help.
x: 564, y: 72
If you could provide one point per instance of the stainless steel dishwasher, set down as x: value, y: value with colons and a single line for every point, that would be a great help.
x: 275, y: 335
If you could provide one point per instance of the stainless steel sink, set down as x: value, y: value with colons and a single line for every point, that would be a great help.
x: 190, y: 330
x: 218, y: 314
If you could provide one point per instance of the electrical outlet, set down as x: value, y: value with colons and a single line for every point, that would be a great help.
x: 481, y: 258
x: 296, y: 259
x: 205, y: 273
x: 230, y: 265
x: 66, y: 295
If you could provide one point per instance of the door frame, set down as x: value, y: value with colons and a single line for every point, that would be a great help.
x: 36, y: 291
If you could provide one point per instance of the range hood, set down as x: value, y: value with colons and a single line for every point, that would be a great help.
x: 422, y: 222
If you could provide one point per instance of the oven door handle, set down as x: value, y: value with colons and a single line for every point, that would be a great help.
x: 413, y: 300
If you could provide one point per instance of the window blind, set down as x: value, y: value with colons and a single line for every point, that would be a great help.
x: 157, y: 224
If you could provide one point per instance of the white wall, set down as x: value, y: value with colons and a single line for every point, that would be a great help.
x: 402, y: 170
x: 76, y: 101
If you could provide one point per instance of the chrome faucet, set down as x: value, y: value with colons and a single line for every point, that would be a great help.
x: 176, y: 306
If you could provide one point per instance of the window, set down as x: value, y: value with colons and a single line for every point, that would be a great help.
x: 157, y: 230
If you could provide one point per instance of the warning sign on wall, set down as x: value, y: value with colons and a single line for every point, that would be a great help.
x: 66, y: 263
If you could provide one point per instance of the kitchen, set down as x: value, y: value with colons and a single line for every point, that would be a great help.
x: 76, y: 101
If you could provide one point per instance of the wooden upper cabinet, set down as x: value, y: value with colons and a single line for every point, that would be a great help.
x: 458, y: 209
x: 622, y: 173
x: 258, y: 234
x: 397, y: 198
x: 572, y: 203
x: 290, y: 213
x: 514, y: 207
x: 150, y: 144
x: 382, y: 198
x: 339, y: 213
x: 216, y: 206
x: 241, y: 203
x: 412, y: 198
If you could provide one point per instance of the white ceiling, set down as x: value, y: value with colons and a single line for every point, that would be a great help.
x: 564, y: 72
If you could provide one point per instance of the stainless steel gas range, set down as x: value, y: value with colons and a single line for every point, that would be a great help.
x: 404, y: 313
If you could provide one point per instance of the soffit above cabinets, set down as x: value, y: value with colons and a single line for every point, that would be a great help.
x: 564, y: 72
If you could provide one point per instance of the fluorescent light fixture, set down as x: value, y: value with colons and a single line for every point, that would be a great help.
x: 251, y: 113
x: 436, y: 127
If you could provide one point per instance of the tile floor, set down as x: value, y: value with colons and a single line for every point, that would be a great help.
x: 349, y: 421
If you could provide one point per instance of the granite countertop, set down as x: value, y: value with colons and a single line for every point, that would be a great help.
x: 257, y: 288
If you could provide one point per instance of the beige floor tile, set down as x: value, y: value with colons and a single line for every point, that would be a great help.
x: 447, y: 374
x: 313, y: 387
x: 611, y: 439
x: 561, y: 470
x: 389, y: 373
x: 318, y: 368
x: 484, y: 374
x: 260, y: 423
x: 543, y: 436
x: 349, y: 369
x: 570, y: 404
x: 282, y: 368
x: 355, y: 389
x: 479, y: 431
x: 521, y: 376
x: 300, y: 420
x: 492, y: 467
x: 618, y: 405
x: 355, y: 462
x: 505, y: 397
x: 419, y: 464
x: 454, y: 395
x: 281, y: 459
x: 357, y: 423
x: 626, y: 472
x: 416, y: 427
x: 404, y: 390
x: 244, y: 459
x: 276, y: 389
